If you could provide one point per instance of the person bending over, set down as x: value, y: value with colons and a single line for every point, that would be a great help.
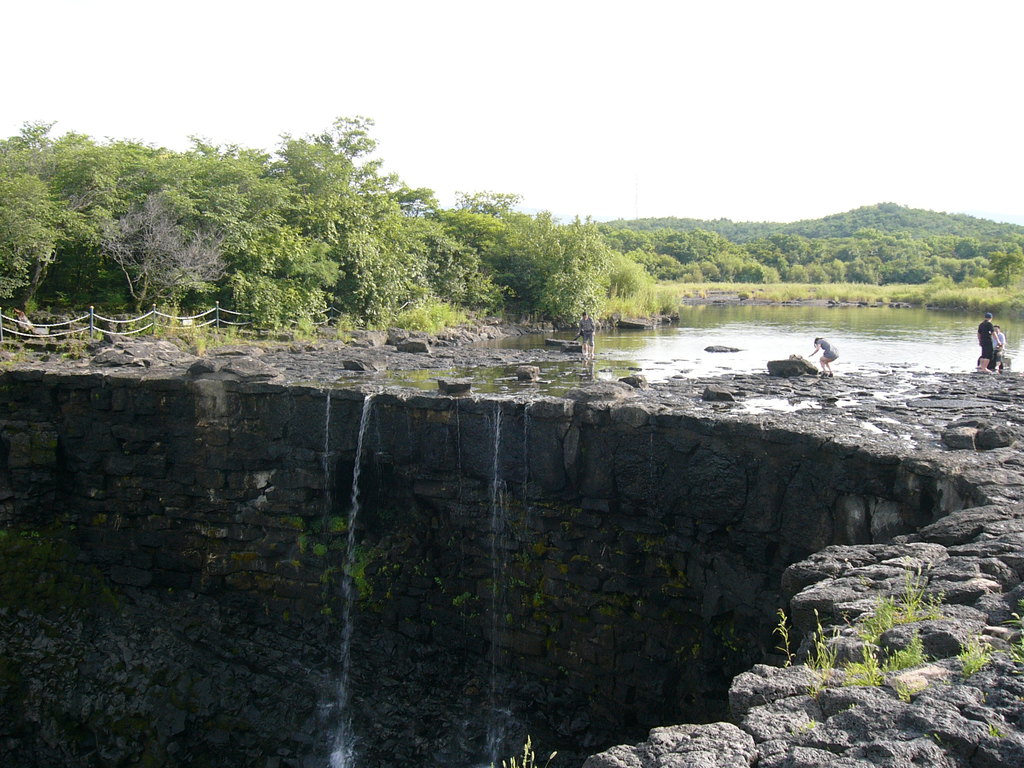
x: 828, y: 355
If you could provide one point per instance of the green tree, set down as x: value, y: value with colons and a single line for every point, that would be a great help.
x: 29, y: 221
x: 282, y: 278
x: 553, y: 269
x: 341, y: 199
x: 496, y: 204
x: 1006, y: 265
x: 452, y: 269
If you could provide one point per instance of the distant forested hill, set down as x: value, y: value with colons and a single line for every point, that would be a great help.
x: 884, y: 217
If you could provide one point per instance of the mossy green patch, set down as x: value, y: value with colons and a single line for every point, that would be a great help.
x: 38, y: 571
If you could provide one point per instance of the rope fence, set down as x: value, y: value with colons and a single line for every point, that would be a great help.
x: 92, y: 323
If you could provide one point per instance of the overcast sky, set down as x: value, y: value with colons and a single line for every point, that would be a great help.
x: 748, y: 110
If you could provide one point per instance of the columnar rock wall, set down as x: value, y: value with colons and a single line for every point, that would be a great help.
x: 172, y: 548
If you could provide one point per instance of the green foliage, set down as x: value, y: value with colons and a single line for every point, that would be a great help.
x: 885, y: 217
x: 911, y: 656
x: 867, y: 671
x: 528, y: 759
x: 553, y: 269
x: 975, y: 655
x: 430, y: 316
x: 281, y: 280
x: 318, y: 223
x: 626, y: 277
x: 882, y: 244
x: 909, y: 606
x: 782, y: 630
x: 823, y: 653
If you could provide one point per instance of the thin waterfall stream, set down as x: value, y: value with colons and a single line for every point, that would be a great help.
x: 343, y: 752
x: 498, y: 714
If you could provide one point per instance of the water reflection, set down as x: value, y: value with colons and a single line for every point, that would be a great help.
x: 872, y: 341
x: 556, y: 377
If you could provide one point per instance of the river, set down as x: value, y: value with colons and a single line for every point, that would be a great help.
x: 870, y: 341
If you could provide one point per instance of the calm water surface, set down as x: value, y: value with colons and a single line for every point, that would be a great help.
x: 870, y: 340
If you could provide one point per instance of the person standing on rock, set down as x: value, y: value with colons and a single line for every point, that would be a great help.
x: 985, y: 331
x: 828, y: 354
x: 586, y: 334
x: 998, y: 347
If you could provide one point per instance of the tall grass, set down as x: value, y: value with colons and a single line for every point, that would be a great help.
x: 937, y: 293
x: 659, y: 299
x: 430, y: 316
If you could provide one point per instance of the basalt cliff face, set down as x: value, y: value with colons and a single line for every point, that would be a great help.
x: 581, y: 569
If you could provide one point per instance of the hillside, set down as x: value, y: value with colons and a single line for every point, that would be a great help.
x: 884, y: 217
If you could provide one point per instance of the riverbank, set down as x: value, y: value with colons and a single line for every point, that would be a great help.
x: 932, y: 295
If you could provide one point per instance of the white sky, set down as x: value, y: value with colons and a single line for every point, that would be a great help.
x: 752, y: 110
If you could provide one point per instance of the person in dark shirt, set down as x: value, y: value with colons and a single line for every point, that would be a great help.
x: 985, y: 330
x: 829, y: 352
x: 998, y: 348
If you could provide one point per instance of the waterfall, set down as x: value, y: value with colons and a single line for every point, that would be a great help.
x: 526, y: 450
x: 497, y: 720
x: 325, y: 459
x: 343, y: 750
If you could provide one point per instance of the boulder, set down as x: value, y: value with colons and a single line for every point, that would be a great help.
x: 980, y: 434
x: 233, y: 369
x: 794, y: 366
x: 361, y: 338
x: 636, y: 381
x: 143, y: 353
x: 721, y: 745
x: 528, y: 373
x: 636, y: 324
x: 714, y: 393
x: 454, y: 386
x: 115, y: 358
x: 415, y: 346
x: 363, y: 365
x: 600, y: 390
x: 959, y: 438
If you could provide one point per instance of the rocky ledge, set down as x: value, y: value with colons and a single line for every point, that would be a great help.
x: 902, y: 653
x: 912, y: 656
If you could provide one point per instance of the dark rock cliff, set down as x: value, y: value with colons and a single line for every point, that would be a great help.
x: 582, y: 569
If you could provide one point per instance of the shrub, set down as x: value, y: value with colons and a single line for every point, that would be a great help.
x: 431, y: 316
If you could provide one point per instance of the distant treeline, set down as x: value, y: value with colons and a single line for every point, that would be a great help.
x: 283, y: 235
x: 877, y: 244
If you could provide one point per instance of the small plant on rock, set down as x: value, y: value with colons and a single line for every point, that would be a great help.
x: 911, y: 656
x: 867, y: 671
x: 910, y: 606
x: 782, y: 630
x: 823, y: 654
x: 975, y: 655
x: 528, y: 760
